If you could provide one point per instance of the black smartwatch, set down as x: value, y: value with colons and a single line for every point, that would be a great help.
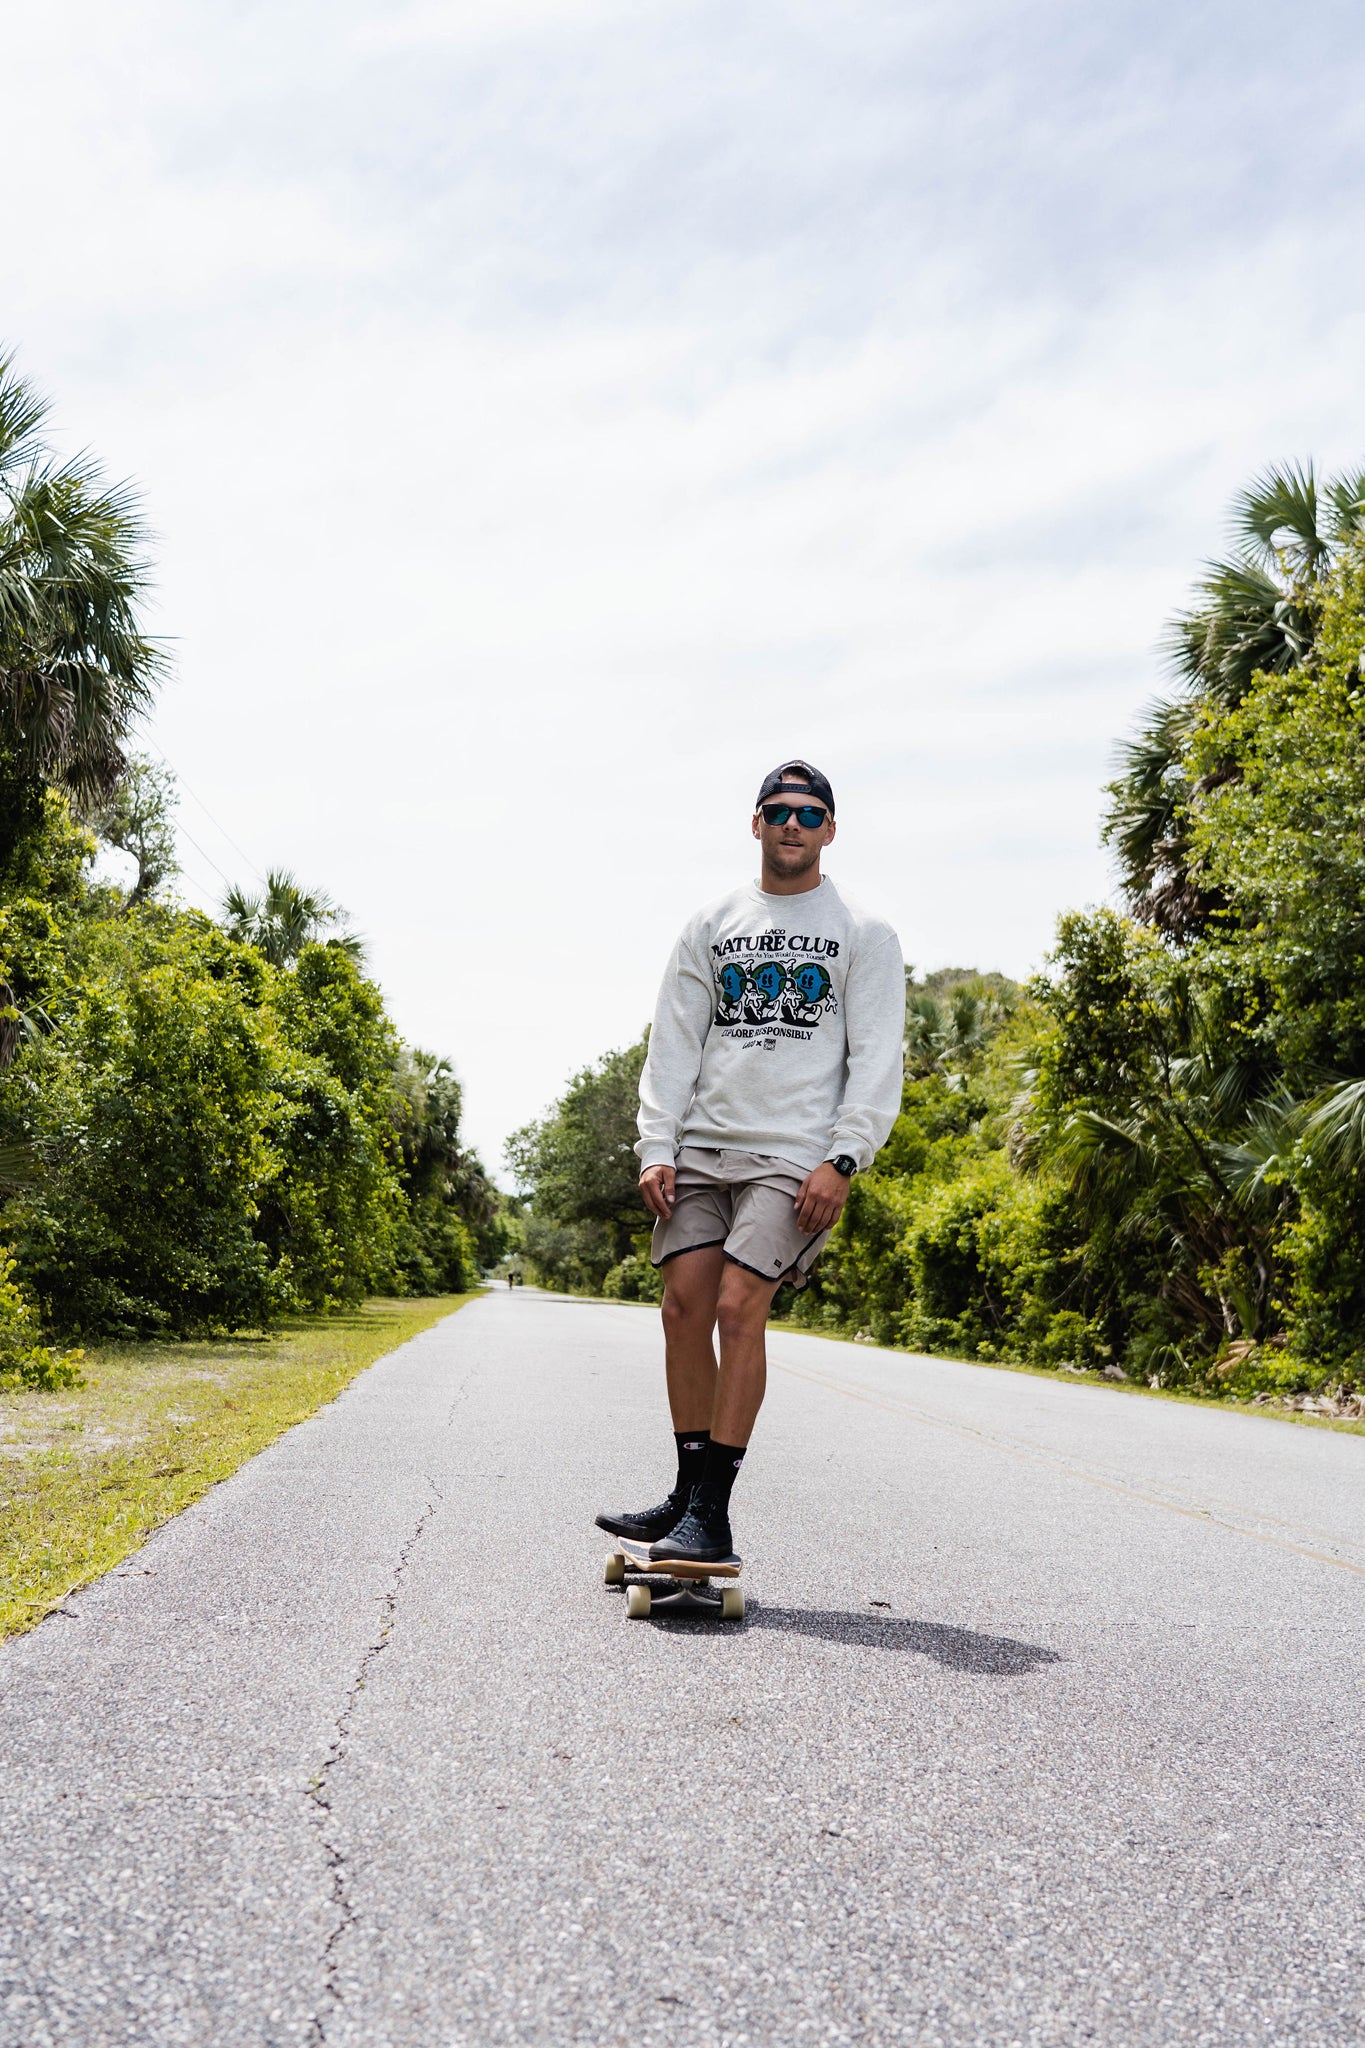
x: 844, y: 1165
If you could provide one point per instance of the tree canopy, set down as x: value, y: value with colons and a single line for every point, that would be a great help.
x: 285, y: 917
x: 1258, y: 613
x: 76, y: 667
x: 578, y: 1168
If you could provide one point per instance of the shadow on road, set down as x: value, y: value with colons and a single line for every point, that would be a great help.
x: 957, y: 1649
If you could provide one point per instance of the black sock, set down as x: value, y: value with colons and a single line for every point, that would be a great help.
x: 692, y: 1445
x: 722, y: 1469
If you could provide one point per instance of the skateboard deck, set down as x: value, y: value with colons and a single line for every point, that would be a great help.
x: 686, y: 1588
x: 638, y: 1559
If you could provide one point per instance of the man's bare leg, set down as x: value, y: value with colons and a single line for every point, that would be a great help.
x: 742, y: 1303
x: 741, y: 1318
x: 705, y: 1292
x: 691, y: 1291
x: 692, y: 1286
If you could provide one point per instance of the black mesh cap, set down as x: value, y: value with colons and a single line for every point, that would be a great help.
x: 796, y: 778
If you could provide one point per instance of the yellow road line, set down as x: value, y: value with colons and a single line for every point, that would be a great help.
x: 1051, y: 1464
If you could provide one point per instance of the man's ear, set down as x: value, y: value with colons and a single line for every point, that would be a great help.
x: 755, y: 825
x: 830, y: 829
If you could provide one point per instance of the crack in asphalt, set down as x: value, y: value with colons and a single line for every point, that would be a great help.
x: 461, y: 1395
x: 318, y: 1792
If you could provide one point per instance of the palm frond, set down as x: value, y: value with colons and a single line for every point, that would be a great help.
x: 1247, y: 622
x: 1264, y: 1146
x: 20, y: 1166
x: 22, y: 412
x: 75, y: 669
x: 1334, y: 1127
x: 1086, y: 1135
x: 1277, y: 520
x: 1143, y: 824
x: 286, y: 918
x: 1346, y: 506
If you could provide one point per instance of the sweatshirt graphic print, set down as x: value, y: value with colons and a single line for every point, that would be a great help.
x: 778, y: 1030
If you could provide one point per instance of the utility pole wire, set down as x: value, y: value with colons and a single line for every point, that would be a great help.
x: 200, y: 851
x: 209, y: 815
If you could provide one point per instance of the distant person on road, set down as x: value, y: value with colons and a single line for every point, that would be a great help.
x: 773, y: 1075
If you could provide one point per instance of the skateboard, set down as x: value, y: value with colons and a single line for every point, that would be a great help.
x: 685, y: 1588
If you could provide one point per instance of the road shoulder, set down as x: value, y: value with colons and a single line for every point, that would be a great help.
x: 88, y: 1473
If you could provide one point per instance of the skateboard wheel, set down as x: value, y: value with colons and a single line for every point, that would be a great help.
x: 616, y: 1569
x: 732, y: 1604
x: 637, y: 1603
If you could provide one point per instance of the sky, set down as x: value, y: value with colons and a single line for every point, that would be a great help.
x: 553, y: 413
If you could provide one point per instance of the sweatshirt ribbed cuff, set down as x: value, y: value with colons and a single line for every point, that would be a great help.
x: 850, y: 1148
x: 656, y: 1155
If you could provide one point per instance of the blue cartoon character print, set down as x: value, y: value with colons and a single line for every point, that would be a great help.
x: 766, y: 984
x: 808, y: 994
x: 773, y: 991
x: 729, y: 993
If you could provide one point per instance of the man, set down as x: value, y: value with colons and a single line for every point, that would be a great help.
x: 774, y: 1074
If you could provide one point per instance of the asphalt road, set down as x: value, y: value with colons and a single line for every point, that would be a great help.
x: 1045, y: 1726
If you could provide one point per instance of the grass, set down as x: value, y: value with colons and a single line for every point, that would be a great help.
x: 87, y: 1473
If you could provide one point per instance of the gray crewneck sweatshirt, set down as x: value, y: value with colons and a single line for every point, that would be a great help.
x: 778, y: 1029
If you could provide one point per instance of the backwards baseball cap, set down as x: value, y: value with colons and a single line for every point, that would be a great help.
x: 796, y: 778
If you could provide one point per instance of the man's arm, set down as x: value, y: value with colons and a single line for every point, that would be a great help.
x: 682, y: 1018
x: 874, y: 1024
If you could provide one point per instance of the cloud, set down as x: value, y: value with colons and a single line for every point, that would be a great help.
x: 553, y: 414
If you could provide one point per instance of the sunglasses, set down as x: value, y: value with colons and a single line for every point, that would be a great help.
x: 808, y: 816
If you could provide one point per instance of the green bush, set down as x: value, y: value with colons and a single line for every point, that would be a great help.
x: 151, y: 1100
x: 222, y: 1140
x: 973, y: 1249
x: 634, y: 1279
x: 24, y: 1360
x: 436, y: 1250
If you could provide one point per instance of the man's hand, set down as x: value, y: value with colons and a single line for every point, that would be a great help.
x: 656, y: 1186
x: 820, y: 1199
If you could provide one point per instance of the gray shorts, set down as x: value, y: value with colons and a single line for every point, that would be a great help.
x: 744, y: 1201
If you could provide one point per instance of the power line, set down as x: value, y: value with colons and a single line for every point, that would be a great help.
x: 209, y: 815
x: 205, y: 856
x: 203, y: 888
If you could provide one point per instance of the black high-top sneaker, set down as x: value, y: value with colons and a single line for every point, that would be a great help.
x: 648, y: 1523
x: 701, y: 1537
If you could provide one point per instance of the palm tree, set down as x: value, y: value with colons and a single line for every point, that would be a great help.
x: 286, y: 918
x: 18, y: 1024
x: 1258, y: 613
x: 944, y: 1033
x: 75, y: 668
x: 952, y: 1020
x: 1194, y: 1140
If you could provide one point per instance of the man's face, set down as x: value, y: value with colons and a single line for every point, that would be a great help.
x: 792, y: 849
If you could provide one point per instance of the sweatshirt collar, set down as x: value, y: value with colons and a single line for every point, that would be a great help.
x: 823, y: 890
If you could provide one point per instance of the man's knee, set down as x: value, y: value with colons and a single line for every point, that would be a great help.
x: 745, y: 1299
x: 691, y: 1280
x: 687, y: 1302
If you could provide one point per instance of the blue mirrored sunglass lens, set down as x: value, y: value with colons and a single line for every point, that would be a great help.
x: 808, y: 816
